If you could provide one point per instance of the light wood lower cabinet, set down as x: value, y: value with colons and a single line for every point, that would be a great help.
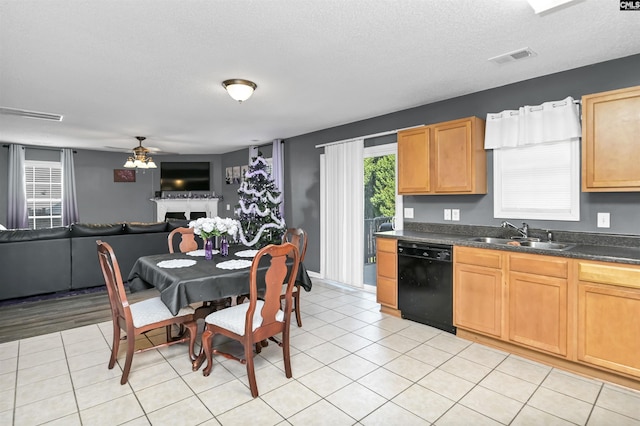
x: 537, y: 295
x: 387, y: 272
x: 477, y: 290
x: 577, y: 314
x: 609, y: 316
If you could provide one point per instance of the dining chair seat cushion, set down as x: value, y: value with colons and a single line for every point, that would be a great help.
x: 233, y: 318
x: 294, y: 289
x: 154, y: 310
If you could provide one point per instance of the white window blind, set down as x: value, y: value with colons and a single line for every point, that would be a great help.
x: 43, y: 182
x: 538, y: 181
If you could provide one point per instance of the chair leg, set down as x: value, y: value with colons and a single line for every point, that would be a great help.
x: 251, y: 374
x: 207, y: 336
x: 286, y: 354
x: 131, y: 343
x: 115, y: 345
x: 192, y: 327
x: 296, y: 302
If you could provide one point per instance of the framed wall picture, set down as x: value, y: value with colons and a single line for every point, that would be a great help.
x: 229, y: 175
x: 124, y: 175
x: 236, y: 174
x: 243, y: 171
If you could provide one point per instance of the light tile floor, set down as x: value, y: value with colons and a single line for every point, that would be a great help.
x: 351, y: 365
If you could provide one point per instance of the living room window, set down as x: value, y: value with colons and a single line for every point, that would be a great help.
x: 43, y: 182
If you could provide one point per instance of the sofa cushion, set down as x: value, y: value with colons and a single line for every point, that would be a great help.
x: 13, y: 235
x: 97, y: 229
x: 177, y: 223
x: 140, y: 228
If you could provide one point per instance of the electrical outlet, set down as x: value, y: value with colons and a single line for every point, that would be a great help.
x: 447, y: 214
x: 604, y: 220
x: 455, y: 214
x: 228, y: 206
x: 408, y: 212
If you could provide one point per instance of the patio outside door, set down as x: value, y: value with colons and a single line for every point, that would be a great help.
x: 381, y: 202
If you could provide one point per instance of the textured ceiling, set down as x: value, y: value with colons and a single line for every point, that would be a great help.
x: 117, y: 69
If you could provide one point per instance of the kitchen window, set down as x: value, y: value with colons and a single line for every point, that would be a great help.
x: 537, y: 181
x: 536, y: 161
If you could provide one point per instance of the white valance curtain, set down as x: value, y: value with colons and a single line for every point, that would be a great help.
x: 343, y: 233
x: 529, y: 125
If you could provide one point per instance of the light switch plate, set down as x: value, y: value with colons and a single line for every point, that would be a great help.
x: 228, y: 207
x: 408, y: 212
x: 455, y: 214
x: 604, y: 220
x: 447, y: 214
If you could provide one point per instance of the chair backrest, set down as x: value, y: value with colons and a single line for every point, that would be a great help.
x: 187, y: 240
x: 297, y: 237
x: 279, y: 273
x: 115, y: 287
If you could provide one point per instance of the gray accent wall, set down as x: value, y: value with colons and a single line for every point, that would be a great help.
x: 304, y: 170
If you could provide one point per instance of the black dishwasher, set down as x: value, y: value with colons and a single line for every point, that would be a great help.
x: 425, y: 284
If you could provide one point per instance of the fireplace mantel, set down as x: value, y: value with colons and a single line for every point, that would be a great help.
x: 186, y: 205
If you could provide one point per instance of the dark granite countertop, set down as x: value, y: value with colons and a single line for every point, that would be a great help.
x: 609, y: 248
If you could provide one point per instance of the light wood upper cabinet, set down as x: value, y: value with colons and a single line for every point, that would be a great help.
x: 414, y: 176
x: 611, y: 141
x: 387, y: 272
x: 609, y: 316
x: 538, y: 302
x: 459, y: 158
x: 443, y: 158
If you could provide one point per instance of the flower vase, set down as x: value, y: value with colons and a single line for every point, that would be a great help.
x: 208, y: 248
x: 224, y: 247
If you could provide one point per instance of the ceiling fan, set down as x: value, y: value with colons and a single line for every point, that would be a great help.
x: 140, y: 159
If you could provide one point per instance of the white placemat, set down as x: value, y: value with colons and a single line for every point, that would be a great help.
x: 176, y: 263
x: 201, y: 252
x: 247, y: 253
x: 234, y: 264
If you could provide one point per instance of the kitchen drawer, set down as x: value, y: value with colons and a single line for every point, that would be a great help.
x: 539, y: 265
x: 479, y: 257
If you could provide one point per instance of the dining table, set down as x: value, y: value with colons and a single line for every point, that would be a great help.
x: 186, y: 278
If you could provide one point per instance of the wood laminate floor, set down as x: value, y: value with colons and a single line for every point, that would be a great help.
x: 35, y: 318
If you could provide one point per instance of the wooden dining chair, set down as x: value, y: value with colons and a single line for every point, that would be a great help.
x: 139, y: 317
x: 187, y: 240
x: 297, y: 237
x: 188, y: 243
x: 257, y: 320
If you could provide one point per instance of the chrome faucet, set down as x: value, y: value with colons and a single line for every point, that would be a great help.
x: 524, y: 231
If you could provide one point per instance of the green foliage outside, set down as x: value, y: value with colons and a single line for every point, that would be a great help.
x: 380, y: 186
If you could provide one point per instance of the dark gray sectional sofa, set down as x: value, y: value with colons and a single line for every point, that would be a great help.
x: 35, y: 262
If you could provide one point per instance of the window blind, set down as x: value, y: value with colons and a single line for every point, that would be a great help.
x: 43, y: 185
x: 537, y: 182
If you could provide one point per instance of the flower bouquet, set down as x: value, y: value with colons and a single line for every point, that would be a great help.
x: 208, y: 227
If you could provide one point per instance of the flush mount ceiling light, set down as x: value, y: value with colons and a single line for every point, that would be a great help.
x: 140, y: 159
x: 239, y: 89
x: 541, y: 6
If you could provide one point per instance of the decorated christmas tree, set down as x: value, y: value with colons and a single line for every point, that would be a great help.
x: 259, y: 207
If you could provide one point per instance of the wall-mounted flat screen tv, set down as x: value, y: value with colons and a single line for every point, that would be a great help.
x: 184, y: 176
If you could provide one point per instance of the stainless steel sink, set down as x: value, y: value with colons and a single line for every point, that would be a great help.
x: 546, y: 245
x: 521, y: 239
x: 490, y: 240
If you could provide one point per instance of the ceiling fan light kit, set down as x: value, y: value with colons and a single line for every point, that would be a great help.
x: 239, y: 89
x: 140, y: 159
